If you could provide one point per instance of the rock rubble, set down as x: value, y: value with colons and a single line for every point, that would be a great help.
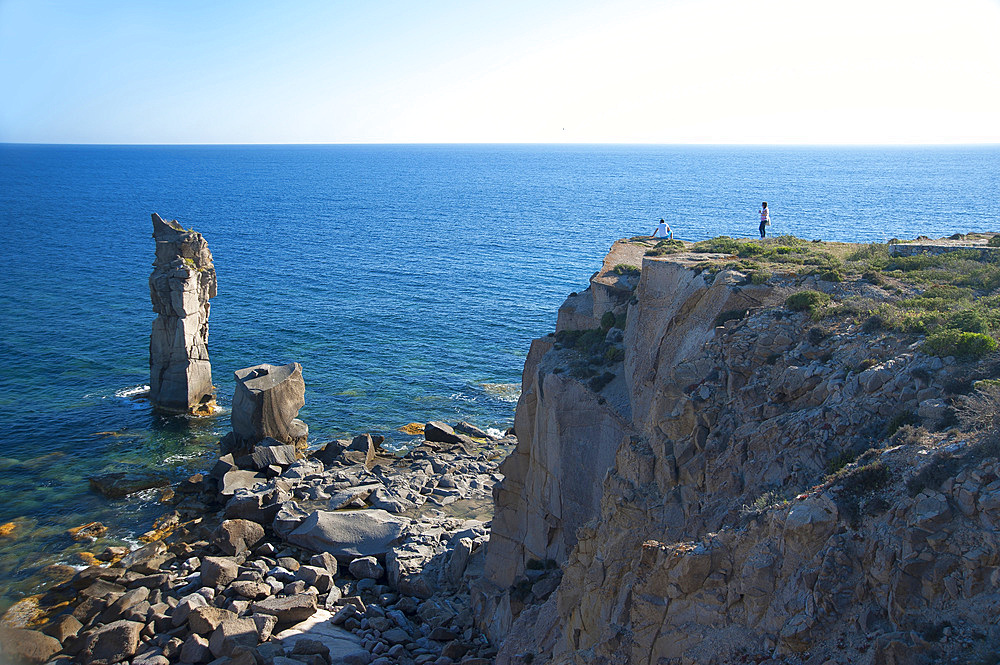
x: 271, y: 567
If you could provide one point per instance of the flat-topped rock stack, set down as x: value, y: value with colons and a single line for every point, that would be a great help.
x: 182, y: 282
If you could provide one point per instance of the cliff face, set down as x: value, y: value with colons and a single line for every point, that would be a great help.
x: 688, y: 499
x: 183, y: 280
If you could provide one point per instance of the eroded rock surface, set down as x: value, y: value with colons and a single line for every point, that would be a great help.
x: 686, y: 498
x: 266, y: 402
x: 183, y: 280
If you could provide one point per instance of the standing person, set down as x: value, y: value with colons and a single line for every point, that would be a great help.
x: 664, y: 230
x: 765, y: 219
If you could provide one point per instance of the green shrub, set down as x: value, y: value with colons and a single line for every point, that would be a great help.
x: 607, y: 321
x: 994, y: 241
x: 589, y: 341
x: 621, y: 320
x: 806, y: 301
x: 967, y: 320
x: 965, y: 345
x: 614, y: 354
x: 721, y: 245
x: 832, y: 276
x: 855, y: 484
x: 758, y: 276
x: 598, y: 382
x: 665, y: 247
x: 626, y: 269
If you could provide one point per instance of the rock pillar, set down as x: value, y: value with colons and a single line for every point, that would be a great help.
x: 183, y: 279
x: 266, y: 402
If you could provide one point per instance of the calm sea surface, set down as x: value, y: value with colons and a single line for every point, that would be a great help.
x: 407, y: 280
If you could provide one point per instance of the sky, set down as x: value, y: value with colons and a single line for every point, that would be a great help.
x: 516, y: 71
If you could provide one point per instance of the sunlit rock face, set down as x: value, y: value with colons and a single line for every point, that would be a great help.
x: 183, y: 280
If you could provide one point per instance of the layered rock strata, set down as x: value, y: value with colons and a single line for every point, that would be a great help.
x: 266, y: 402
x: 182, y: 282
x: 685, y: 495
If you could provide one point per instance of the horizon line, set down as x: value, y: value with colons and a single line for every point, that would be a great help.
x: 517, y: 143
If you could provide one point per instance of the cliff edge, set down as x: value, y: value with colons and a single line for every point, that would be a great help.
x: 737, y: 451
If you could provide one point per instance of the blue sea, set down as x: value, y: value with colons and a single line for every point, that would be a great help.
x: 407, y: 280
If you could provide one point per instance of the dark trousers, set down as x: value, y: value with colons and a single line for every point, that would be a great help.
x: 763, y: 229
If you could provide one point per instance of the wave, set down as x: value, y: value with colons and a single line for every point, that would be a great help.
x: 505, y: 392
x: 133, y: 392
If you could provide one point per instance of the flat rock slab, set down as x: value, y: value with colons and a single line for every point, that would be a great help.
x: 318, y: 627
x: 345, y: 496
x: 349, y: 533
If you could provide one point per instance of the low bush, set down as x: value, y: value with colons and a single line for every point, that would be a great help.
x: 964, y: 345
x: 598, y: 382
x: 855, y: 484
x: 607, y: 321
x: 758, y: 277
x: 626, y: 269
x: 899, y: 420
x: 806, y: 301
x: 994, y: 241
x: 614, y: 354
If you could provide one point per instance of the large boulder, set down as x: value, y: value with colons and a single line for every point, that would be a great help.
x: 266, y: 402
x: 349, y: 534
x: 288, y: 609
x: 20, y: 645
x: 270, y: 452
x: 218, y: 571
x: 183, y: 280
x: 237, y: 536
x: 112, y: 643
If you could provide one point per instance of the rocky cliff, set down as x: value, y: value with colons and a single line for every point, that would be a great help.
x: 726, y: 479
x: 183, y: 280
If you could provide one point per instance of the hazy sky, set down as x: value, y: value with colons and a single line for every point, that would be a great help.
x: 367, y: 71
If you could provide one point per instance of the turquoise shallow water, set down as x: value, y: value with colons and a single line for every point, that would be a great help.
x: 408, y: 281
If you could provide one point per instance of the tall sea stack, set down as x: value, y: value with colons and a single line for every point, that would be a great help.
x: 183, y: 279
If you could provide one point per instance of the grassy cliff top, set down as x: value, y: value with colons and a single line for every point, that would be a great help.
x: 946, y: 289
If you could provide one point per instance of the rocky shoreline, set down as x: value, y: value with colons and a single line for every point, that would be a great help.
x: 346, y: 555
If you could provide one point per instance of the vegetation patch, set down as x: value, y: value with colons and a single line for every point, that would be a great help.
x: 807, y: 301
x: 899, y: 420
x: 856, y: 484
x: 665, y: 247
x: 963, y: 345
x: 626, y: 269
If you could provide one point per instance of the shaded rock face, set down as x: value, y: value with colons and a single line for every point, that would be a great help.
x: 183, y: 280
x: 265, y: 403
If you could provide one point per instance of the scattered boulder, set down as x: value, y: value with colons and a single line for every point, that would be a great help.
x: 112, y: 643
x: 20, y: 645
x: 237, y: 536
x: 270, y: 452
x: 348, y: 534
x: 366, y: 567
x: 287, y: 610
x: 218, y: 571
